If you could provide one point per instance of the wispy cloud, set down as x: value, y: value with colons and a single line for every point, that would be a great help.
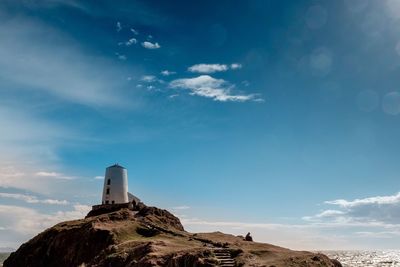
x: 55, y: 175
x: 129, y: 42
x: 33, y: 199
x: 207, y: 86
x: 150, y: 45
x: 378, y: 200
x: 118, y: 26
x: 167, y: 72
x: 37, y: 57
x: 208, y: 68
x: 28, y: 143
x: 181, y: 208
x: 236, y: 66
x: 121, y: 56
x: 149, y: 78
x: 173, y: 96
x: 134, y: 31
x: 99, y: 177
x: 212, y: 68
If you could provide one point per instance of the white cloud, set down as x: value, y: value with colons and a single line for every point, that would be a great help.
x: 384, y: 210
x: 330, y: 213
x: 149, y: 45
x: 134, y: 31
x: 21, y: 223
x: 29, y: 221
x: 208, y: 68
x: 99, y: 177
x: 118, y: 26
x: 207, y: 86
x: 130, y: 42
x: 236, y: 66
x: 167, y: 72
x: 212, y: 68
x: 33, y: 199
x: 378, y: 200
x: 22, y: 175
x: 149, y: 78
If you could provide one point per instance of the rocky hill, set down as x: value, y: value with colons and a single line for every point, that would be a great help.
x: 149, y: 237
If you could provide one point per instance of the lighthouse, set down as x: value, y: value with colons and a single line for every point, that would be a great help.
x: 115, y: 190
x: 115, y: 193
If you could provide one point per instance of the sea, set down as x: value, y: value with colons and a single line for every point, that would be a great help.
x: 365, y: 258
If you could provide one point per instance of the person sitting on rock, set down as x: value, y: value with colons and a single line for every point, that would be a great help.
x: 248, y: 237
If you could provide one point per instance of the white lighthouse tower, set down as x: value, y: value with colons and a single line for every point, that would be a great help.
x: 115, y: 189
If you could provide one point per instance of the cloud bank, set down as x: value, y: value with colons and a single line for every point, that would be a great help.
x: 384, y: 210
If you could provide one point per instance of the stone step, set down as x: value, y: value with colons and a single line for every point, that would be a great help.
x: 224, y: 258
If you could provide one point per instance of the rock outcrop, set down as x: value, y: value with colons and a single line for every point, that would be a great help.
x: 148, y: 237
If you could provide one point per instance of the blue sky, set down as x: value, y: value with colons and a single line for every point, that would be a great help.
x: 278, y: 118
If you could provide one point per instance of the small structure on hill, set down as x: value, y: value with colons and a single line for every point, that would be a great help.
x: 115, y: 192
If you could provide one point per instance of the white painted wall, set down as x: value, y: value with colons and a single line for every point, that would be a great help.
x: 118, y: 187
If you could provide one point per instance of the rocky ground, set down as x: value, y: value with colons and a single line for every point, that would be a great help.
x: 149, y: 237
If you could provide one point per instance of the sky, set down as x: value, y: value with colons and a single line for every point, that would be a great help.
x: 279, y: 118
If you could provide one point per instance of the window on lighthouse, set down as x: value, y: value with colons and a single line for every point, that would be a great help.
x: 108, y: 191
x: 108, y: 181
